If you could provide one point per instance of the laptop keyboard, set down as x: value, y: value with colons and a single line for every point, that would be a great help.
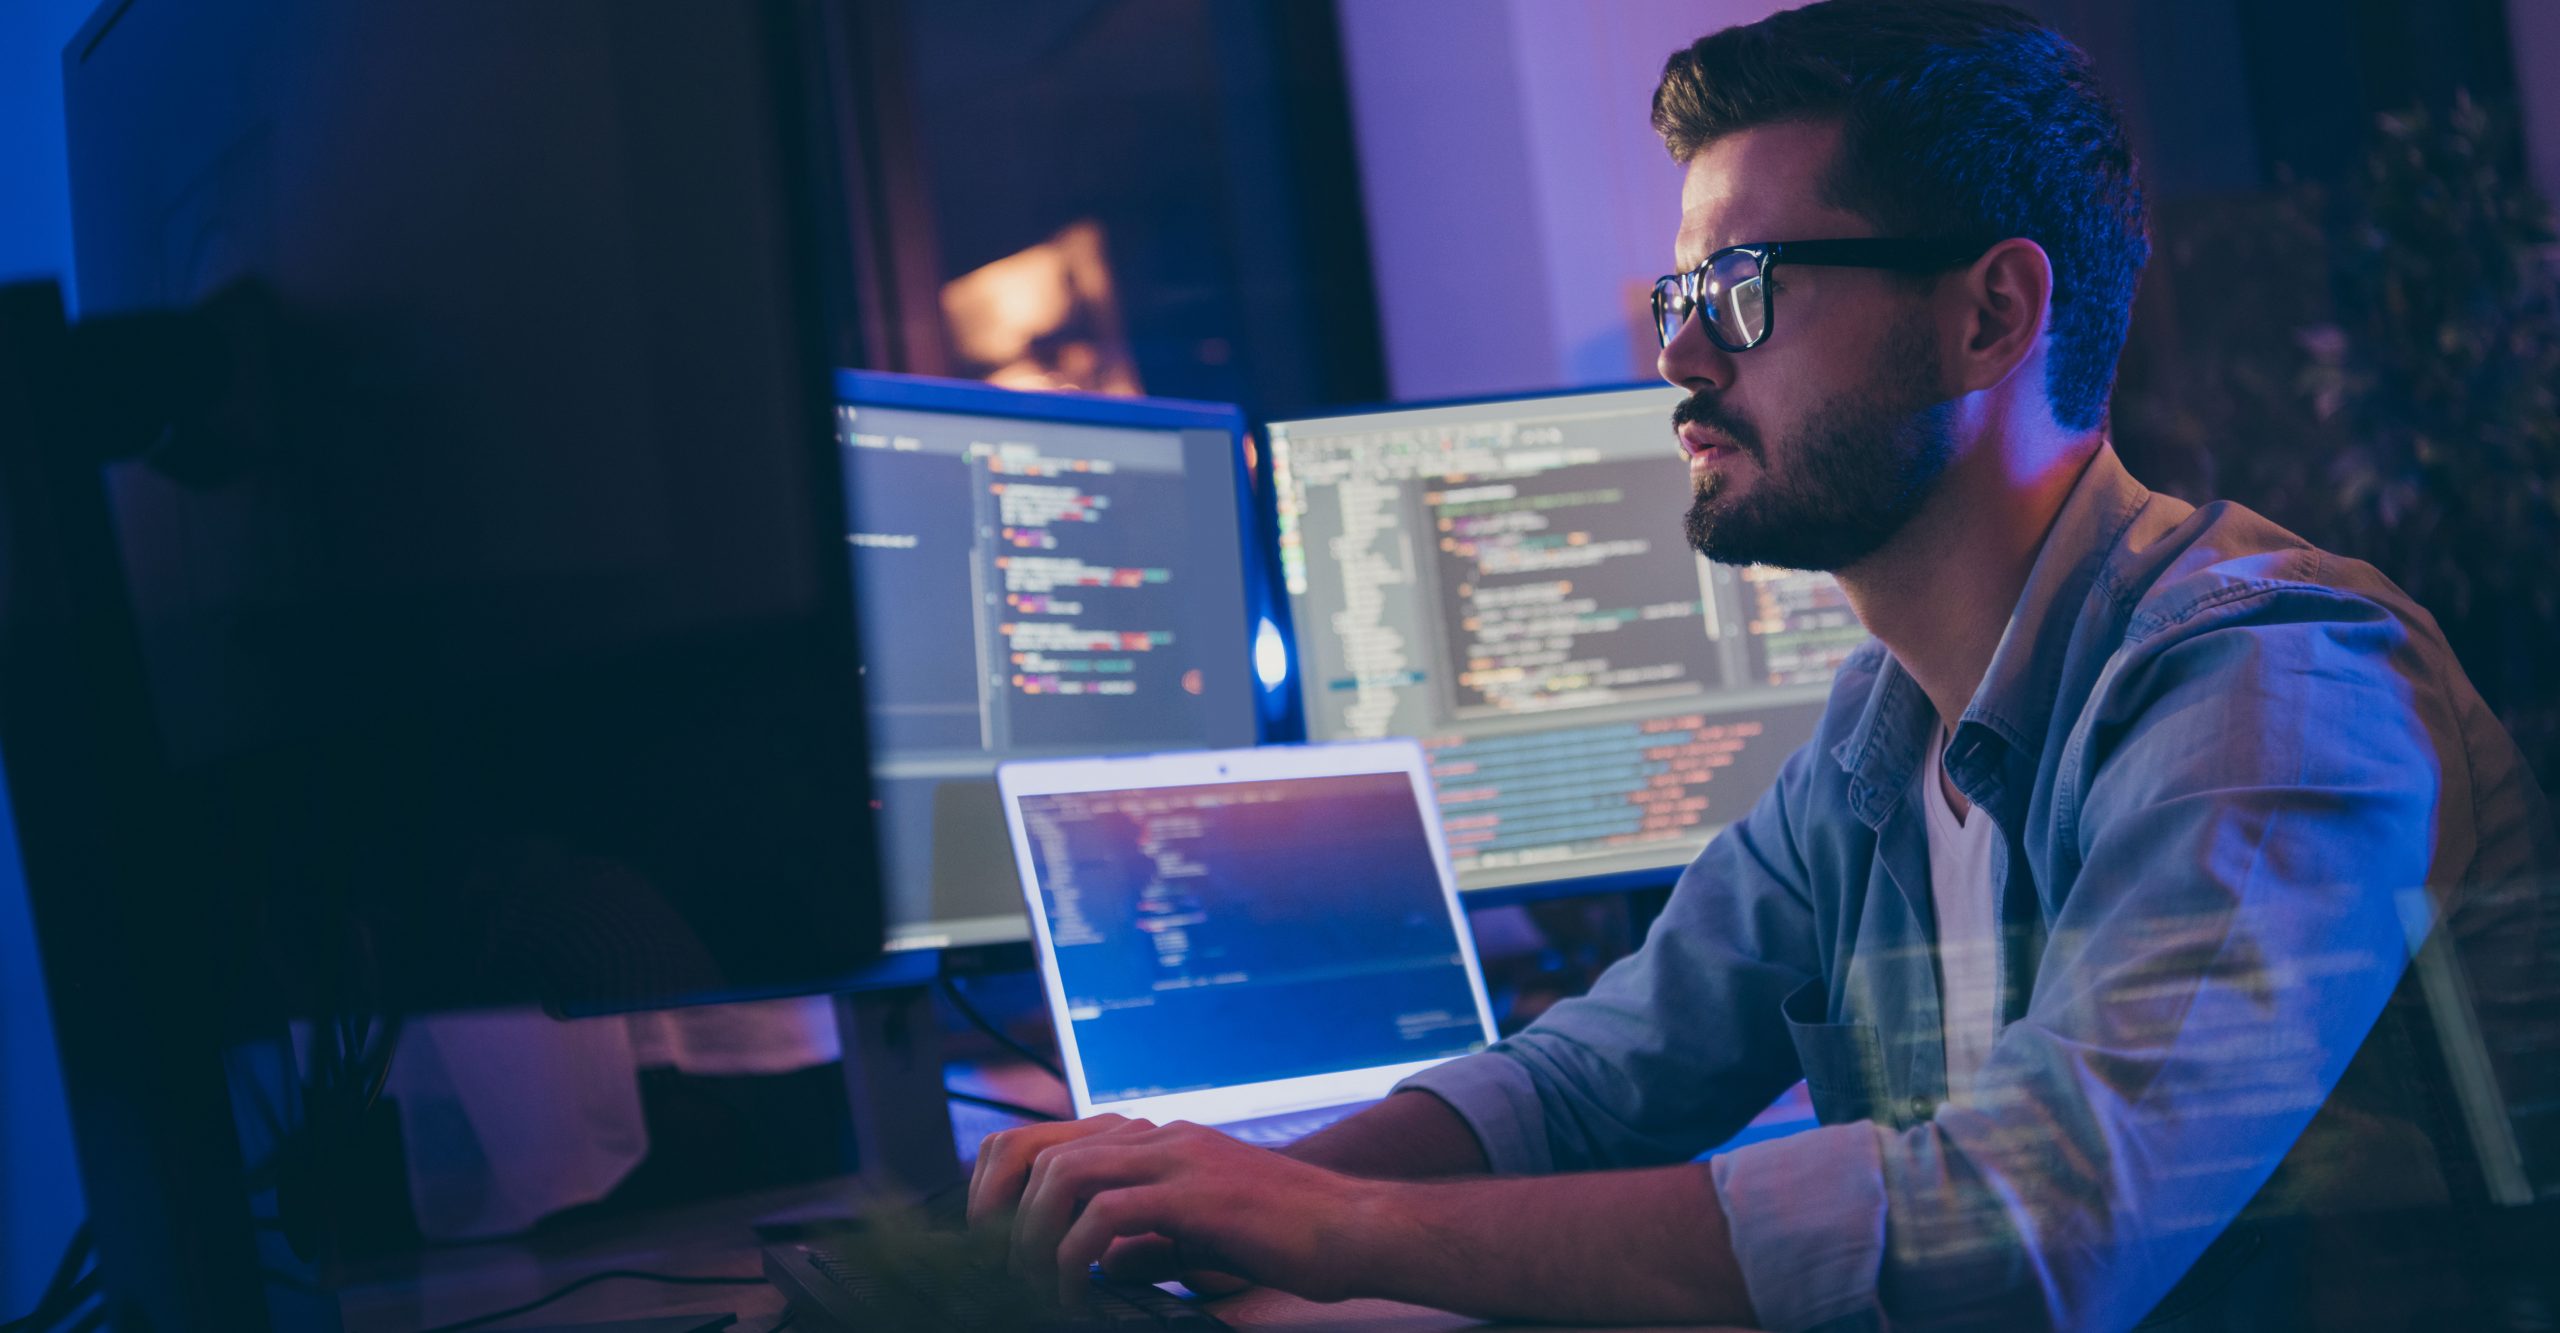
x: 1280, y: 1130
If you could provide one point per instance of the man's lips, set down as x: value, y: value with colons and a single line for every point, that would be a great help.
x: 1705, y: 448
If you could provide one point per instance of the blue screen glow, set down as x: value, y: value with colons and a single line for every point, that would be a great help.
x: 1236, y: 933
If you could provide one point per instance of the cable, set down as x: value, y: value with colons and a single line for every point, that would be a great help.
x: 75, y: 1251
x: 65, y: 1290
x: 78, y: 1294
x: 959, y: 1001
x: 631, y: 1274
x: 998, y: 1104
x: 381, y: 1064
x: 57, y: 1306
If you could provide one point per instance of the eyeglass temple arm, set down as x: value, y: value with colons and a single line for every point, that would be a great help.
x: 1877, y: 252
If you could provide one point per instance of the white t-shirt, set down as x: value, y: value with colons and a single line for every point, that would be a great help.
x: 1968, y: 925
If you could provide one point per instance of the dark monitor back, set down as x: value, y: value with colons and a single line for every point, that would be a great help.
x: 524, y: 666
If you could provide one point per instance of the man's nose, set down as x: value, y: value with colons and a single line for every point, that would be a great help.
x: 1692, y: 361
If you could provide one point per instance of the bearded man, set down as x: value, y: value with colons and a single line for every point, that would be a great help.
x: 2084, y: 912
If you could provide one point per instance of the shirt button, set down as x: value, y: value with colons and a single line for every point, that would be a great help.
x: 1918, y: 1107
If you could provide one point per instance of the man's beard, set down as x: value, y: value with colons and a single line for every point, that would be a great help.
x: 1854, y: 474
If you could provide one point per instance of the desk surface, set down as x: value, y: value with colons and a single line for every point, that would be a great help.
x: 458, y: 1282
x: 718, y: 1237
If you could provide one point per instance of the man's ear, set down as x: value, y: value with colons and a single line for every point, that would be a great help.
x: 2008, y: 305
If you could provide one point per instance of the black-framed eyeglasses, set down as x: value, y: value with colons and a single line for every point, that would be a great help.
x: 1732, y: 292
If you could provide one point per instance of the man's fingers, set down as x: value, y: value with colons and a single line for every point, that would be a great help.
x: 1110, y: 1215
x: 1065, y: 1177
x: 1152, y: 1258
x: 1211, y: 1283
x: 1149, y: 1258
x: 1004, y: 1161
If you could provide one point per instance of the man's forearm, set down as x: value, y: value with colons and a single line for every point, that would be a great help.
x: 1409, y: 1136
x: 1615, y: 1246
x: 1606, y: 1246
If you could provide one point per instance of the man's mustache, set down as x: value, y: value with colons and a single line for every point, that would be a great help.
x: 1707, y: 412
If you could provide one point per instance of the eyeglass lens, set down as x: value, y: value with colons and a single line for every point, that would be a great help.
x: 1731, y: 297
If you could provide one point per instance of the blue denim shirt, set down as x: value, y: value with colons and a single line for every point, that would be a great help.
x: 2235, y: 778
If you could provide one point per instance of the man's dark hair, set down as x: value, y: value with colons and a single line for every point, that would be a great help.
x: 1958, y: 120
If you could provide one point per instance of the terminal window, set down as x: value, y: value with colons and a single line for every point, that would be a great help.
x: 1509, y: 584
x: 1029, y: 588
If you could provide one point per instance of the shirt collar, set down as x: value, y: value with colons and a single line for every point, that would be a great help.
x: 2012, y: 706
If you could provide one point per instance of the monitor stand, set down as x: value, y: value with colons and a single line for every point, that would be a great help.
x: 893, y: 1079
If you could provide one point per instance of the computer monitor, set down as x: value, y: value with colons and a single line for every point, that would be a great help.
x: 1042, y: 575
x: 1506, y: 581
x: 515, y: 662
x: 524, y: 651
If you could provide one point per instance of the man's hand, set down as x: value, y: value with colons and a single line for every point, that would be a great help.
x: 1158, y: 1202
x: 1004, y: 1162
x: 1639, y: 1246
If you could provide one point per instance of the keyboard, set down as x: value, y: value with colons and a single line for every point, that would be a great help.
x: 1279, y: 1131
x: 933, y: 1281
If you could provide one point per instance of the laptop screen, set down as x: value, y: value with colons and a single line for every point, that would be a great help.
x: 1232, y: 933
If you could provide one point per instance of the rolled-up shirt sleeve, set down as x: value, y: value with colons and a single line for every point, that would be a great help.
x: 1807, y: 1215
x: 2254, y: 802
x: 1495, y: 1096
x: 1679, y: 1044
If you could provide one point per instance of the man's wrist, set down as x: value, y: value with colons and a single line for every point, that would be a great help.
x: 1373, y: 1225
x: 1645, y: 1246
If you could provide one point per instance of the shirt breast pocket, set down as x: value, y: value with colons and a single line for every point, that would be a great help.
x: 1843, y: 1063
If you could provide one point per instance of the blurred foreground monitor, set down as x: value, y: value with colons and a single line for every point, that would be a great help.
x: 521, y: 665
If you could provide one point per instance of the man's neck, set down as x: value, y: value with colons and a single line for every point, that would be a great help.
x: 1939, y: 595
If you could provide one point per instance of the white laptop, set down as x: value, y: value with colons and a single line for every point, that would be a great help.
x: 1261, y: 940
